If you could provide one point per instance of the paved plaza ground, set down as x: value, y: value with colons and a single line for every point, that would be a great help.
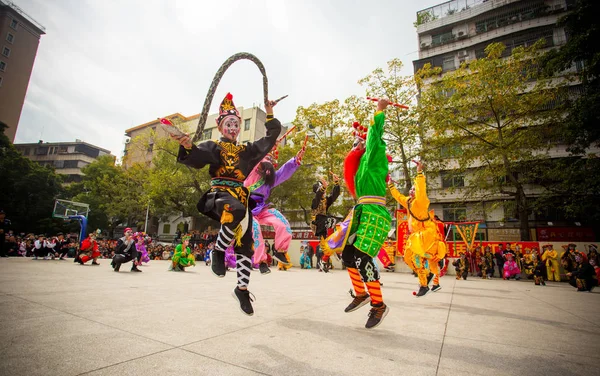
x: 60, y: 318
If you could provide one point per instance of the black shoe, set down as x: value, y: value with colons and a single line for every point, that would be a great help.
x: 264, y: 269
x: 112, y: 264
x: 135, y: 269
x: 376, y: 316
x: 117, y: 267
x: 435, y: 288
x: 358, y: 302
x: 243, y: 296
x: 280, y: 256
x: 423, y: 290
x: 429, y: 278
x: 80, y: 262
x: 95, y: 263
x: 217, y: 263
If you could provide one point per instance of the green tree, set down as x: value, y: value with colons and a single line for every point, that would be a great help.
x: 580, y: 128
x: 28, y: 190
x: 491, y: 118
x: 330, y: 138
x: 115, y: 195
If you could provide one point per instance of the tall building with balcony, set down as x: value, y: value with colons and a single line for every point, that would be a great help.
x: 67, y: 158
x: 457, y: 31
x: 19, y: 39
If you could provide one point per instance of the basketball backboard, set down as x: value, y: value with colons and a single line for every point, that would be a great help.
x: 65, y: 208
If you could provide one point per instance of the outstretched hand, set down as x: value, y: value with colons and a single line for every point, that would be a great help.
x: 184, y: 140
x: 336, y: 178
x: 269, y: 104
x: 300, y: 155
x: 382, y: 104
x: 419, y: 166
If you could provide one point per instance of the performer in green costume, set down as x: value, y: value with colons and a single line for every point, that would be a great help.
x: 362, y: 234
x: 183, y: 256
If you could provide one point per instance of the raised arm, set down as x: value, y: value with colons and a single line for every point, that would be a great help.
x: 286, y: 171
x: 335, y: 193
x: 205, y: 153
x: 399, y: 197
x: 260, y: 148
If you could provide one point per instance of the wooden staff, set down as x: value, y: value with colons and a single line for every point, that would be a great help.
x: 391, y: 104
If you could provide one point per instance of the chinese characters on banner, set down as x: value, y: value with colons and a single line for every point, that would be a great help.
x: 456, y: 248
x: 401, y: 230
x: 565, y: 234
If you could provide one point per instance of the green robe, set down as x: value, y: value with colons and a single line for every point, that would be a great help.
x: 371, y: 222
x: 183, y: 258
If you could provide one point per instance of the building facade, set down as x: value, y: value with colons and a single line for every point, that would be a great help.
x: 458, y: 31
x: 67, y: 158
x: 19, y: 39
x: 252, y: 128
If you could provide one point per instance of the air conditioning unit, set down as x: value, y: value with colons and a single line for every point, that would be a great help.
x: 463, y: 53
x: 425, y: 45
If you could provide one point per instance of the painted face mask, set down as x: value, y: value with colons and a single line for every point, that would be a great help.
x: 230, y: 128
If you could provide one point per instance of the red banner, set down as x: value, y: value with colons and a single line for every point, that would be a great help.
x: 456, y: 248
x: 300, y: 235
x: 565, y: 234
x: 401, y: 230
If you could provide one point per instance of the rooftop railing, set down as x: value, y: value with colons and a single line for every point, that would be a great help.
x: 445, y: 9
x: 16, y: 8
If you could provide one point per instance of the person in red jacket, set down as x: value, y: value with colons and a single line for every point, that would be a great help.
x: 89, y: 250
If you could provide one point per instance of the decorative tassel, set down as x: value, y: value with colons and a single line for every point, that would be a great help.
x: 238, y: 235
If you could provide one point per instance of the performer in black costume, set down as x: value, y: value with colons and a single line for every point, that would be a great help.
x: 320, y: 221
x: 228, y: 200
x: 125, y: 252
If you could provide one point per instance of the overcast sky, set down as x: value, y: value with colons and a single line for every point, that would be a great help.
x: 108, y: 65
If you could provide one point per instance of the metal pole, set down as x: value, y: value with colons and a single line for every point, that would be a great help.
x: 146, y: 222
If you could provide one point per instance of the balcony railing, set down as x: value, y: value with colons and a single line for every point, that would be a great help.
x: 445, y: 9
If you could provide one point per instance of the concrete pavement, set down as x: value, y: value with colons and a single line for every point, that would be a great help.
x: 60, y: 318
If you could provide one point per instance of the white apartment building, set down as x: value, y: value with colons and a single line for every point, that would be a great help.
x: 458, y: 31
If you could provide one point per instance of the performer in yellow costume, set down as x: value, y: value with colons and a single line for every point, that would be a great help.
x: 550, y: 257
x: 425, y: 245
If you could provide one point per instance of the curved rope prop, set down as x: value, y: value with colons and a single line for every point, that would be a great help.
x: 215, y: 83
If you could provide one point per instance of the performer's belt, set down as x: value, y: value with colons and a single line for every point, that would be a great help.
x: 373, y: 200
x: 226, y: 182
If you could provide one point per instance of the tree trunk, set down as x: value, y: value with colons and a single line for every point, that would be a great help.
x: 523, y: 211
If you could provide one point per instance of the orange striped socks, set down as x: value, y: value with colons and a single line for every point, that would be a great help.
x: 357, y: 283
x: 436, y: 279
x: 375, y: 292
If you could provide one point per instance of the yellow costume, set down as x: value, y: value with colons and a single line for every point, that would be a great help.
x: 424, y: 246
x: 550, y: 257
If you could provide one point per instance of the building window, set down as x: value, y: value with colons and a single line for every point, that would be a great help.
x: 71, y: 164
x: 59, y: 164
x: 206, y: 135
x: 454, y: 213
x: 448, y: 64
x: 26, y: 151
x: 453, y: 181
x: 2, y: 66
x: 166, y: 228
x: 150, y: 148
x: 63, y: 150
x: 41, y: 151
x: 14, y: 24
x: 247, y: 124
x: 10, y: 38
x: 6, y: 51
x: 1, y: 79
